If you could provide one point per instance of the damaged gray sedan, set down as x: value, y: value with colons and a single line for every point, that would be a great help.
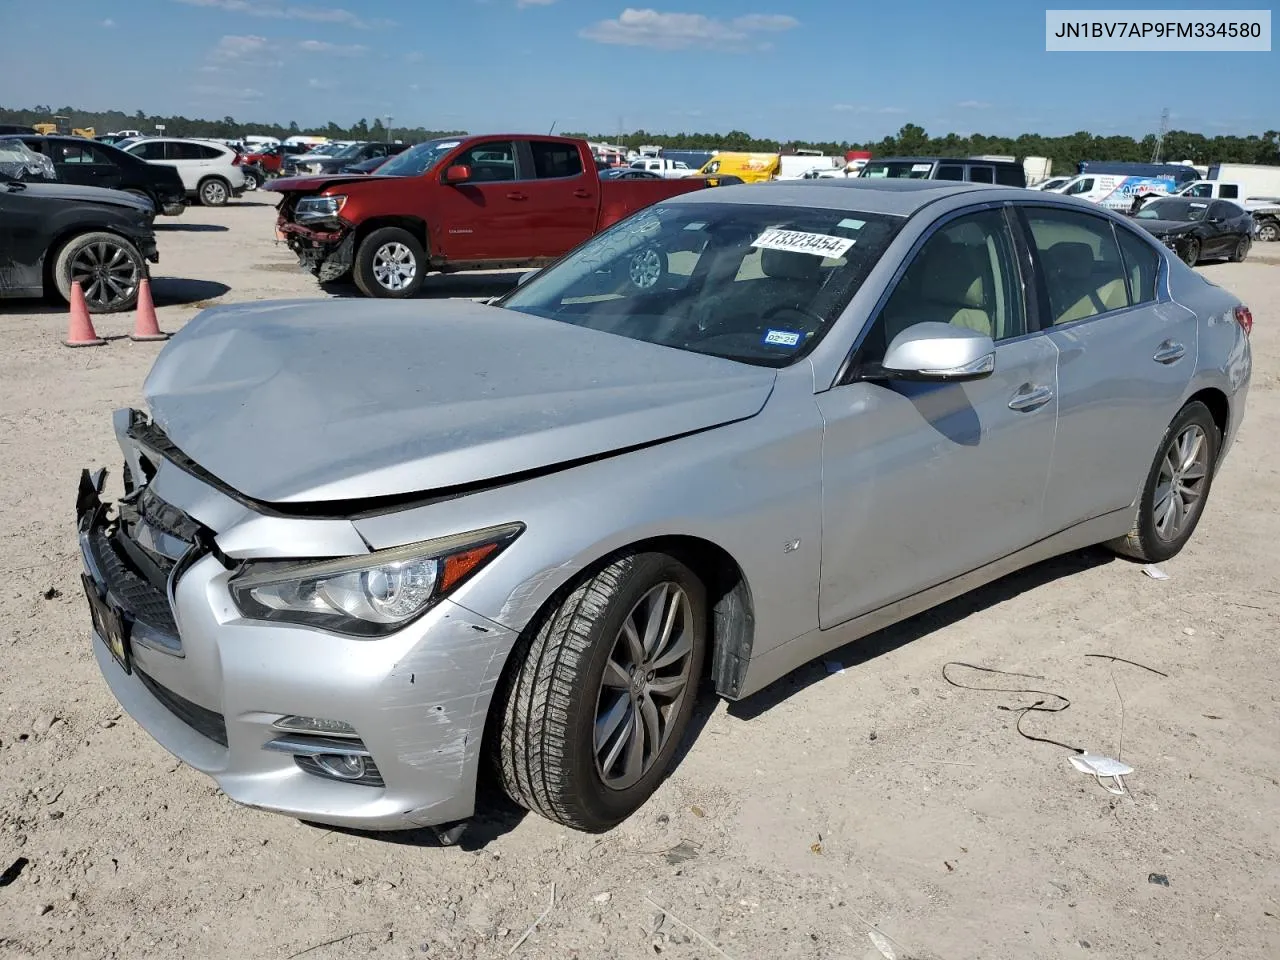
x: 364, y: 551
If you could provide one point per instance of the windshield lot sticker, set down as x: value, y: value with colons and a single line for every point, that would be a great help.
x: 793, y: 241
x: 848, y: 224
x: 921, y: 167
x: 782, y: 338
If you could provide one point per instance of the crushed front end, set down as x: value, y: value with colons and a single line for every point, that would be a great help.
x: 323, y: 242
x: 370, y: 732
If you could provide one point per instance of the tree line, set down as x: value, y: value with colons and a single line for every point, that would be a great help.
x: 1065, y: 151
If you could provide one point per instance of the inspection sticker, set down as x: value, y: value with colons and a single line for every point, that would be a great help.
x: 782, y: 338
x: 819, y: 244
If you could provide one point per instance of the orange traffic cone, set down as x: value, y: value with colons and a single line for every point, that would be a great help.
x: 80, y: 332
x: 146, y: 327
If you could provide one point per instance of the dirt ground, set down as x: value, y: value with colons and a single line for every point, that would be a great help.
x: 830, y: 803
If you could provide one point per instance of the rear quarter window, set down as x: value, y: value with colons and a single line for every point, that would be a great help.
x: 1011, y: 176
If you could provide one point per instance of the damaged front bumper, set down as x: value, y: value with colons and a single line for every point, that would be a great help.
x: 327, y: 253
x: 260, y: 706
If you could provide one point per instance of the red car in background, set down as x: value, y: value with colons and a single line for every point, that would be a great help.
x: 459, y: 203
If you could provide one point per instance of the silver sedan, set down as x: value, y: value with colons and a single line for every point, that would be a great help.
x: 362, y: 549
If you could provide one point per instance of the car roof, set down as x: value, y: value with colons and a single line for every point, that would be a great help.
x: 1007, y: 163
x: 895, y: 197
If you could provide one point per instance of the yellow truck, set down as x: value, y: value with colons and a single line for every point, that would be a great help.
x: 750, y: 167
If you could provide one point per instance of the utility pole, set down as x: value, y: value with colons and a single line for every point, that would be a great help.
x: 387, y: 132
x: 1164, y: 129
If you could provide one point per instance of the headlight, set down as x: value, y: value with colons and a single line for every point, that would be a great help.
x: 367, y: 596
x: 318, y: 208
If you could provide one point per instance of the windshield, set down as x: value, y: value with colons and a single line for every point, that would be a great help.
x: 753, y: 283
x: 1187, y: 211
x: 898, y: 169
x: 418, y: 160
x: 351, y: 151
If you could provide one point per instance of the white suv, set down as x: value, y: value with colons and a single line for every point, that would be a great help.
x: 210, y: 171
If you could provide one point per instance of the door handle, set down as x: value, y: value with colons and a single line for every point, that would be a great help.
x: 1169, y: 352
x: 582, y: 194
x: 1030, y: 398
x: 516, y: 196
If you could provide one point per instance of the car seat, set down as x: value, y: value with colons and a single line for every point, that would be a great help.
x: 1079, y: 285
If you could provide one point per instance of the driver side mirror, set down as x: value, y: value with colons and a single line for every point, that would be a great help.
x: 937, y: 352
x: 458, y: 173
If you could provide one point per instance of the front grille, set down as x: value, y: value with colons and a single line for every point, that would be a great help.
x: 140, y: 597
x: 203, y: 721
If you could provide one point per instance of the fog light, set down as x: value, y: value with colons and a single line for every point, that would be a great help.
x: 345, y: 766
x: 330, y: 728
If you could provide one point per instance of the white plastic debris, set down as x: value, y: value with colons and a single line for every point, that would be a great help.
x: 1154, y: 572
x: 882, y: 944
x: 1100, y: 768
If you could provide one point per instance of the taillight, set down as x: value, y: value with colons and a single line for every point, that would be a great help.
x: 237, y: 160
x: 1245, y: 319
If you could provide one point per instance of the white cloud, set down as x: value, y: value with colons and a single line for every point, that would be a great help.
x: 973, y: 104
x: 239, y: 48
x: 414, y: 56
x: 317, y: 84
x: 680, y: 31
x: 277, y: 10
x: 333, y: 49
x: 108, y: 23
x: 863, y: 108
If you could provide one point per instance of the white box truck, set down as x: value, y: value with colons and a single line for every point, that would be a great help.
x: 1260, y: 181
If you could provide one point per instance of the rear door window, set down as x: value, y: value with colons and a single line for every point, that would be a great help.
x: 982, y: 175
x: 949, y: 171
x: 1080, y: 264
x: 554, y: 160
x: 1011, y: 176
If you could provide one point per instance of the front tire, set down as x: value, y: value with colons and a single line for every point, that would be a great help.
x: 108, y: 267
x: 1269, y: 231
x: 1176, y: 488
x: 391, y: 262
x: 602, y: 692
x: 214, y: 192
x: 1191, y: 252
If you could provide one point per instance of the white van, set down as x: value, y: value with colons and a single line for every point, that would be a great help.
x: 1116, y: 191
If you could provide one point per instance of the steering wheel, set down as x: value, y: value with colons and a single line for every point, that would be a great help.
x: 801, y: 311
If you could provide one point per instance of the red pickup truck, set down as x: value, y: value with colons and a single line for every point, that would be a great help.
x: 459, y: 203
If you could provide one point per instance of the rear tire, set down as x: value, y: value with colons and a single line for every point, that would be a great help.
x: 571, y: 709
x: 1177, y: 486
x: 1241, y: 250
x: 391, y: 263
x: 214, y: 192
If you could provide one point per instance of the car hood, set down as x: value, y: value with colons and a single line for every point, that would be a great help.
x: 318, y: 182
x: 308, y: 401
x: 74, y: 192
x: 1165, y: 227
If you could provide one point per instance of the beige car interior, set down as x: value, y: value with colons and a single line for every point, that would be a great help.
x: 957, y: 278
x: 1079, y: 285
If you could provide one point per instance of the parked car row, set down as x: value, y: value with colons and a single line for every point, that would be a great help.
x: 55, y: 233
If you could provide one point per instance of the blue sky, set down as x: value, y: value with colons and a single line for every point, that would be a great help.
x: 806, y: 69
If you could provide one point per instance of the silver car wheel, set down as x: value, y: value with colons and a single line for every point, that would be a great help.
x: 646, y: 268
x: 107, y: 274
x: 645, y: 681
x: 1180, y: 487
x: 214, y: 193
x: 394, y: 266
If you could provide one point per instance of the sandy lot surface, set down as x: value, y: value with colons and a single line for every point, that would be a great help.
x: 831, y: 802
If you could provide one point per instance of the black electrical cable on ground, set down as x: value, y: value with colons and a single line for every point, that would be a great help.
x: 1038, y: 707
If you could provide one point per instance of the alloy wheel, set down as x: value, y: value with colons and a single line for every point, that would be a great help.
x: 645, y: 680
x: 646, y: 268
x: 107, y: 273
x: 1191, y: 253
x: 394, y: 266
x: 1180, y: 487
x: 214, y: 193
